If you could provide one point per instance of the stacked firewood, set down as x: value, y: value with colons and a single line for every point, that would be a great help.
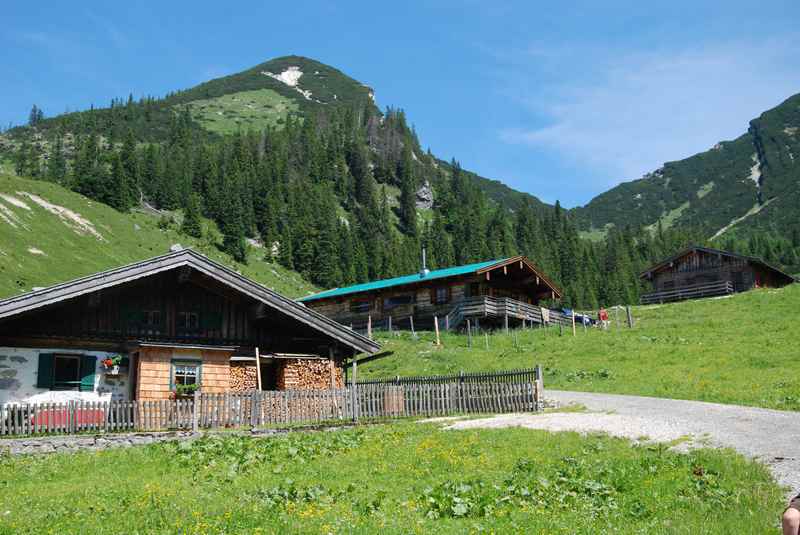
x: 244, y: 377
x: 305, y: 374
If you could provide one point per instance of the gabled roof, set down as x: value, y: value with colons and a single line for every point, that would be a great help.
x: 416, y: 278
x: 187, y: 257
x: 709, y: 250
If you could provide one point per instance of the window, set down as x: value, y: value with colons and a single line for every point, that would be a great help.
x: 188, y: 321
x: 395, y: 301
x: 358, y: 306
x: 185, y: 372
x: 152, y: 318
x: 66, y: 372
x: 474, y: 289
x: 441, y: 295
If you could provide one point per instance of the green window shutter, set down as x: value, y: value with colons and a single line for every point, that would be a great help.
x: 88, y: 366
x: 44, y: 378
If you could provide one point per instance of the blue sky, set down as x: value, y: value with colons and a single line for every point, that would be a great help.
x: 560, y: 99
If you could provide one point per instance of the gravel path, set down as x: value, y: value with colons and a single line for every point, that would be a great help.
x: 772, y: 437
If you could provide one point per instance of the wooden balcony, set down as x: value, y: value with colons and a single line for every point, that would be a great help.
x: 501, y: 308
x: 693, y: 291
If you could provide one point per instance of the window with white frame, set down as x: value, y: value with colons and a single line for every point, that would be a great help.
x: 186, y: 372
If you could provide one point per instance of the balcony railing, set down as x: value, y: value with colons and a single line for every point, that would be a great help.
x: 692, y: 291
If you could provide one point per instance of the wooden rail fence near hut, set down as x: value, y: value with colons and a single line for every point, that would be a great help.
x: 455, y: 318
x: 510, y: 391
x: 694, y: 291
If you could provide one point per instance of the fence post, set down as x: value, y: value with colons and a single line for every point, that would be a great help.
x: 436, y: 326
x: 72, y: 414
x: 354, y: 386
x: 486, y: 338
x: 390, y: 324
x: 538, y: 389
x: 461, y: 403
x: 253, y: 408
x: 369, y: 326
x: 469, y: 334
x: 196, y: 412
x: 413, y: 332
x: 505, y: 322
x: 630, y: 316
x: 573, y: 324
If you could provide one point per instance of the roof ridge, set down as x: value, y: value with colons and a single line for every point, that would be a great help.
x: 71, y: 289
x: 403, y: 279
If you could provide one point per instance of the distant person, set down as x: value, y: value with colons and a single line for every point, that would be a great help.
x: 791, y: 517
x: 602, y: 315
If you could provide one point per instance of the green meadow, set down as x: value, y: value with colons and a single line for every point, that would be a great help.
x: 66, y: 235
x: 404, y: 477
x: 245, y: 110
x: 742, y: 349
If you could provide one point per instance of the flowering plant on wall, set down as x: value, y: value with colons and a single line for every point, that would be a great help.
x: 112, y: 362
x: 180, y: 391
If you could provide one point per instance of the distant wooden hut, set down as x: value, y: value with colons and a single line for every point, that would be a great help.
x: 496, y: 291
x: 703, y: 272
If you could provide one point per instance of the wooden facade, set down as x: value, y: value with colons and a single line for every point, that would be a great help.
x: 172, y: 319
x: 429, y: 295
x: 697, y: 271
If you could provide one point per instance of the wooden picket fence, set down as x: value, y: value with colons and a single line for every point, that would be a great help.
x: 519, y: 391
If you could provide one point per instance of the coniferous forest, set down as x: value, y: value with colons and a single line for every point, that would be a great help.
x: 341, y: 195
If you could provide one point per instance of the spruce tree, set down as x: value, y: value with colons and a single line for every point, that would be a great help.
x: 231, y: 222
x: 36, y: 116
x: 192, y: 222
x: 21, y: 157
x: 285, y: 250
x: 57, y: 164
x: 408, y: 209
x: 130, y: 165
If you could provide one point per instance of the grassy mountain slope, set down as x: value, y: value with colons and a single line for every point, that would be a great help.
x: 734, y: 350
x: 752, y: 182
x: 49, y: 235
x: 259, y: 97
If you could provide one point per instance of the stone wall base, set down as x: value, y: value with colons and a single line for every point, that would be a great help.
x: 74, y: 443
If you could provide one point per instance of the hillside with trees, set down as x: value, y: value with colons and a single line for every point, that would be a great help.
x: 329, y: 185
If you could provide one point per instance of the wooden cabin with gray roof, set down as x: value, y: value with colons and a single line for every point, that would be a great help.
x: 156, y: 328
x: 698, y: 272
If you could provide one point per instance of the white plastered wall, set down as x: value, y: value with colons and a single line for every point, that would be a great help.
x: 19, y: 369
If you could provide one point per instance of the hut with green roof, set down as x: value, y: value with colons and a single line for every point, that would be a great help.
x: 495, y: 291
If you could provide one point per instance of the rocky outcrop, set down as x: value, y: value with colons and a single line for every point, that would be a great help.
x: 425, y: 196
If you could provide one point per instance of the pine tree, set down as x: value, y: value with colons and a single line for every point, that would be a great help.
x: 36, y: 116
x: 231, y: 223
x: 130, y: 165
x: 408, y: 209
x: 285, y: 252
x: 21, y: 157
x: 112, y: 188
x: 439, y: 245
x: 57, y: 164
x: 192, y: 223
